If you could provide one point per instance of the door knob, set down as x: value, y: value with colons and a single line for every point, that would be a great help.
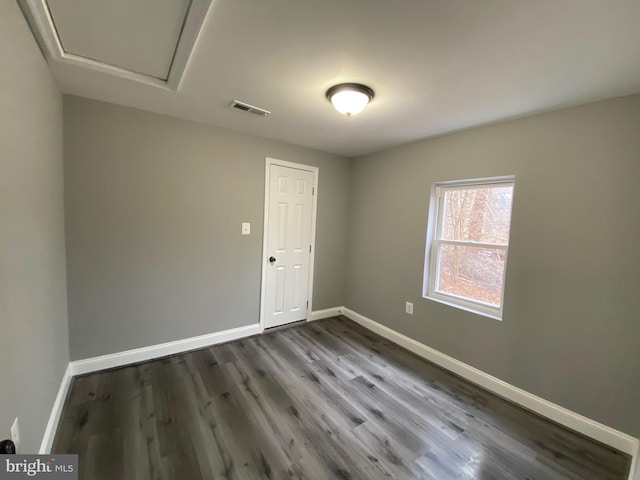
x: 272, y: 259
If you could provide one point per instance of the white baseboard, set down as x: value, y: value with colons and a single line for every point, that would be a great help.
x: 56, y: 413
x: 621, y: 441
x: 326, y: 313
x: 119, y: 359
x: 103, y: 362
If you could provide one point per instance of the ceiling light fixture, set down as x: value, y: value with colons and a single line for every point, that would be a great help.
x: 349, y: 98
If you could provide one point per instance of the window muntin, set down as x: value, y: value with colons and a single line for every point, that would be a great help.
x: 469, y: 244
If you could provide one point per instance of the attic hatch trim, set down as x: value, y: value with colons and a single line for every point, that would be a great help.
x: 44, y: 30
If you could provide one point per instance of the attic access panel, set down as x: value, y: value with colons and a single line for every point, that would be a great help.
x: 149, y: 41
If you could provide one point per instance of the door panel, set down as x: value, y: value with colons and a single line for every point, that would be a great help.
x: 288, y: 243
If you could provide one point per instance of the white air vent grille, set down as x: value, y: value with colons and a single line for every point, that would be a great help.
x: 245, y: 107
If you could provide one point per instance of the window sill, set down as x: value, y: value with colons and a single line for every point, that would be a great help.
x: 466, y: 308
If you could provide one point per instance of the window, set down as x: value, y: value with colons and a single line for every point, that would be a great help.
x: 468, y: 243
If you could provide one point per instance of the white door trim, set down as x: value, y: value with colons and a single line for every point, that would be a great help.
x: 265, y: 231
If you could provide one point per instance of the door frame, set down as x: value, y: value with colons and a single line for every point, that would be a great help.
x: 265, y: 231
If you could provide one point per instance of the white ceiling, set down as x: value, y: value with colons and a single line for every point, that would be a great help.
x: 435, y: 65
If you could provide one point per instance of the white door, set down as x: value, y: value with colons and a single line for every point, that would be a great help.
x: 288, y: 244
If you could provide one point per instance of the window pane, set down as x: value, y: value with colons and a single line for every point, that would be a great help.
x: 477, y: 214
x: 472, y: 272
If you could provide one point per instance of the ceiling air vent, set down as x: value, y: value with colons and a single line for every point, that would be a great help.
x: 245, y: 107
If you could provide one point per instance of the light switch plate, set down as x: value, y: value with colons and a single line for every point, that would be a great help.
x: 246, y: 228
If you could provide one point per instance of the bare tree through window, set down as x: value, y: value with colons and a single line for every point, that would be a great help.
x: 471, y: 241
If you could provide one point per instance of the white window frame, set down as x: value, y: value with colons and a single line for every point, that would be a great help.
x: 434, y: 240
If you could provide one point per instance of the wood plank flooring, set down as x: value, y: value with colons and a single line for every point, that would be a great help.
x: 324, y: 400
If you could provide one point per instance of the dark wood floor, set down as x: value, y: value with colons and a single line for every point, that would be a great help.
x: 325, y: 400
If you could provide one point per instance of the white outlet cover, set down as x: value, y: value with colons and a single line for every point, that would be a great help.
x: 15, y: 433
x: 246, y: 228
x: 409, y: 308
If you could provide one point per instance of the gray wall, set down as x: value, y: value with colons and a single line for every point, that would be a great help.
x: 154, y: 207
x: 572, y: 299
x: 33, y: 306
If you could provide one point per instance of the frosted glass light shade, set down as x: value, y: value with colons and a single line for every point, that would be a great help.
x: 349, y: 98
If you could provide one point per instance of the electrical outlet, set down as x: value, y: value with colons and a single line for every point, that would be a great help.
x: 246, y: 229
x: 15, y: 433
x: 409, y: 308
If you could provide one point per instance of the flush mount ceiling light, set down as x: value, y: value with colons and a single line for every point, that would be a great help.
x: 349, y: 98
